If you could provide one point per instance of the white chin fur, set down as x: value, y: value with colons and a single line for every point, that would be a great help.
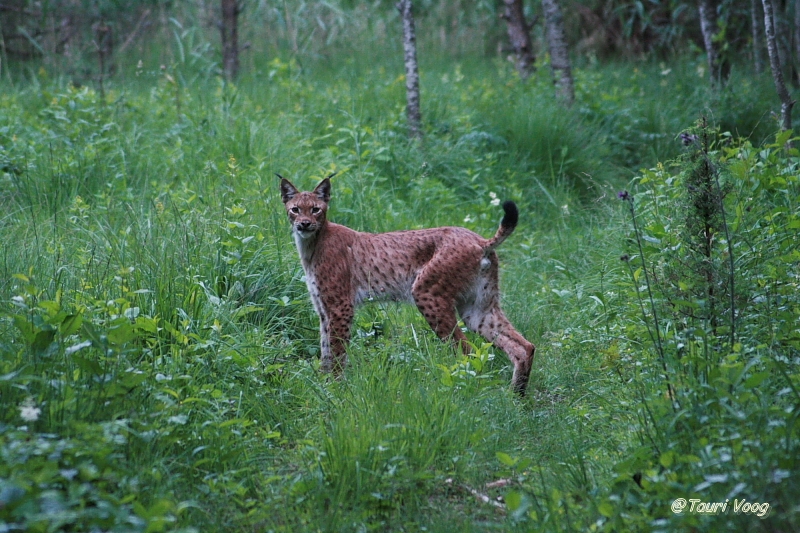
x: 303, y: 234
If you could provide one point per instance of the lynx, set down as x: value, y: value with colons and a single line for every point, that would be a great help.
x: 441, y: 270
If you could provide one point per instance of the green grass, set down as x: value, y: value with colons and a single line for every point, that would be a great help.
x: 154, y: 312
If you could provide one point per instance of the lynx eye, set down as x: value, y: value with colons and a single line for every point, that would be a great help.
x: 295, y: 210
x: 315, y: 210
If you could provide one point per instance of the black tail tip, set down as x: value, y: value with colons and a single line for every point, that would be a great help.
x: 511, y: 216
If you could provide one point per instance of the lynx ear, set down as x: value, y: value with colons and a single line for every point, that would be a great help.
x: 288, y: 191
x: 323, y: 190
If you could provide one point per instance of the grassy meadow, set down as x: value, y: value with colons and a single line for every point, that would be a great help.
x: 159, y: 352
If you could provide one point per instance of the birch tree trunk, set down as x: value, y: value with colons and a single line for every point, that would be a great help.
x: 708, y: 27
x: 781, y: 27
x: 775, y: 64
x: 718, y: 67
x: 230, y: 38
x: 559, y: 53
x: 412, y: 71
x: 519, y: 33
x: 758, y: 35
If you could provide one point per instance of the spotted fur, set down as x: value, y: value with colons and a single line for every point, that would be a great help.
x: 441, y: 270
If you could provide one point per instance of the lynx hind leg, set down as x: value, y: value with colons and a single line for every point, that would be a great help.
x: 495, y: 327
x: 441, y: 317
x: 435, y: 299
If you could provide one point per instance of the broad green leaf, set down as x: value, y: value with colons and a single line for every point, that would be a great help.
x: 755, y: 380
x: 43, y: 340
x: 89, y: 366
x: 513, y: 500
x: 25, y: 327
x: 70, y: 325
x: 606, y: 509
x: 506, y: 459
x: 144, y: 323
x: 123, y: 332
x: 666, y: 459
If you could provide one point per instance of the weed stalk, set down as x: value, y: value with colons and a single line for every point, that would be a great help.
x: 656, y: 338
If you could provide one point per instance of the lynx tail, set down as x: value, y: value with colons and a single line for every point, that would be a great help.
x: 507, y: 225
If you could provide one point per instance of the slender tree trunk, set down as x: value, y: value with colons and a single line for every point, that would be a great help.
x: 519, y: 33
x: 104, y: 41
x: 708, y: 25
x: 559, y: 53
x: 412, y: 70
x: 756, y: 19
x: 230, y: 38
x: 775, y: 64
x: 290, y: 28
x: 796, y: 77
x: 781, y: 26
x: 718, y: 69
x: 105, y: 47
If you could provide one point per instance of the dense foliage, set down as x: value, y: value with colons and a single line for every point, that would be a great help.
x: 70, y: 33
x: 158, y: 351
x: 714, y: 271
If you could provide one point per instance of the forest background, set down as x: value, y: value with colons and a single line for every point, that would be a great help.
x: 158, y: 350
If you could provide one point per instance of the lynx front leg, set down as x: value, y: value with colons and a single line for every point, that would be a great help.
x: 326, y: 357
x: 335, y: 318
x: 335, y: 336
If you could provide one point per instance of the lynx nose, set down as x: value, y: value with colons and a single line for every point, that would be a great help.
x: 304, y: 225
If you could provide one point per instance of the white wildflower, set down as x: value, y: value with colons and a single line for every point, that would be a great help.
x: 28, y: 410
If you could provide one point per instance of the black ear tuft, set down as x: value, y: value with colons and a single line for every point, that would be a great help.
x: 323, y: 190
x: 288, y: 191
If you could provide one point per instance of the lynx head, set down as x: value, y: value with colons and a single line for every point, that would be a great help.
x: 306, y: 210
